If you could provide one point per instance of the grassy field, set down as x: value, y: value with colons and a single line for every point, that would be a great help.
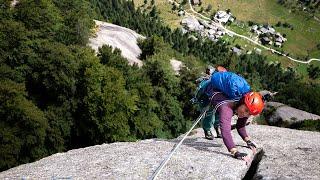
x: 302, y: 40
x: 169, y: 17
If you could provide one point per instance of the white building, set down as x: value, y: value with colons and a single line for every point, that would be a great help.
x: 181, y: 13
x: 258, y: 51
x: 195, y: 2
x: 211, y: 31
x: 272, y: 30
x: 222, y: 16
x: 279, y: 39
x: 236, y: 51
x: 254, y: 28
x: 277, y: 44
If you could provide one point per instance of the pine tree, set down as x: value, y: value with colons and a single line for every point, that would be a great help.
x: 23, y: 126
x: 313, y: 71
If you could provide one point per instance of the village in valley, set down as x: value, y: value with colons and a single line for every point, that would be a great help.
x: 264, y: 34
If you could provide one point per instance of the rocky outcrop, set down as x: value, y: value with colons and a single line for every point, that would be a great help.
x: 289, y: 154
x: 197, y: 158
x: 191, y: 23
x: 118, y: 37
x: 282, y: 115
x: 125, y: 39
x: 14, y: 3
x: 176, y: 65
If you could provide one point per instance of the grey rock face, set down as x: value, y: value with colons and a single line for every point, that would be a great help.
x: 118, y: 37
x: 176, y: 65
x: 14, y: 3
x: 286, y: 114
x: 191, y: 23
x: 197, y: 158
x: 289, y: 154
x: 123, y: 38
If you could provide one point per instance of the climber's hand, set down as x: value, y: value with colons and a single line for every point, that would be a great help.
x: 242, y: 156
x: 252, y: 146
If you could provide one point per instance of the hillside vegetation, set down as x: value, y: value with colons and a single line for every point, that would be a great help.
x: 301, y: 29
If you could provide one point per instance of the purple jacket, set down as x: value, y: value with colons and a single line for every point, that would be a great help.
x: 225, y: 110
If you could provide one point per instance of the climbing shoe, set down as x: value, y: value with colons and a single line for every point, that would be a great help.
x: 218, y: 132
x: 208, y: 135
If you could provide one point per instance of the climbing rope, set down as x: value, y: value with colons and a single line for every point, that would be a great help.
x: 165, y: 161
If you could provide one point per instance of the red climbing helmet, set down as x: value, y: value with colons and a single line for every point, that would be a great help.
x: 254, y: 102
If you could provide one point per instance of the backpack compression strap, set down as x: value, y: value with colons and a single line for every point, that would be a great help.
x: 222, y: 102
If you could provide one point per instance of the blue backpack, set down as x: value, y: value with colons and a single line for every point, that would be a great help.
x: 231, y: 84
x: 200, y: 96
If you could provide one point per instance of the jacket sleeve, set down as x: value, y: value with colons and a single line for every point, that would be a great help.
x: 226, y: 113
x: 241, y: 127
